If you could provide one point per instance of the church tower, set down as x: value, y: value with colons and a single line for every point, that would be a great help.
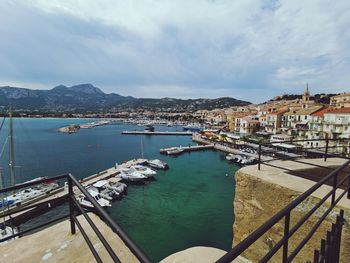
x: 306, y: 95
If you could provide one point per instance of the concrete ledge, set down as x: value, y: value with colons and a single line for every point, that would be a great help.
x: 199, y: 254
x: 56, y: 244
x: 261, y: 194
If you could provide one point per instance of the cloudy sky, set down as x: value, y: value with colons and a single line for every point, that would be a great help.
x: 247, y: 49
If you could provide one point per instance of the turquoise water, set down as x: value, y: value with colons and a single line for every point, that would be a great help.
x: 188, y: 205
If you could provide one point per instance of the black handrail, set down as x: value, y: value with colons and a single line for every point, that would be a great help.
x: 285, y: 213
x: 75, y: 208
x: 115, y: 227
x: 25, y: 185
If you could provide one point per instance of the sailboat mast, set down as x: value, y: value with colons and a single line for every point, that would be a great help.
x: 141, y: 148
x: 12, y: 154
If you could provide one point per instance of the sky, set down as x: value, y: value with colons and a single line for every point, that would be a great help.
x: 246, y: 49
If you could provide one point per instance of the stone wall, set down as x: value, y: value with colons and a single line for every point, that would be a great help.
x: 257, y: 200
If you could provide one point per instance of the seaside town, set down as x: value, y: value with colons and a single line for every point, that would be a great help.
x: 174, y: 131
x: 279, y: 120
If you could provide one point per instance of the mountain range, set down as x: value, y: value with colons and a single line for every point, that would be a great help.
x: 88, y: 98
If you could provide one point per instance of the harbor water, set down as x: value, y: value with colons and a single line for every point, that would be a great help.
x: 191, y: 204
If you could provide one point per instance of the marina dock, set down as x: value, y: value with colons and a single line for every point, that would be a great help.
x: 62, y: 192
x: 157, y: 133
x: 181, y: 149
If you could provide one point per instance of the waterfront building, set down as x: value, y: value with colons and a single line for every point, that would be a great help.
x: 274, y: 121
x: 235, y: 120
x: 262, y: 121
x: 337, y: 123
x: 340, y: 101
x: 297, y: 122
x: 201, y: 114
x: 249, y: 124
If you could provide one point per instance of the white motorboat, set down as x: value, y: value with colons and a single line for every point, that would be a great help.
x: 148, y: 172
x: 192, y: 127
x: 132, y: 175
x: 29, y: 193
x: 157, y: 164
x: 233, y: 157
x: 104, y: 193
x: 248, y: 161
x: 87, y: 204
x: 174, y: 151
x: 117, y: 186
x: 110, y: 189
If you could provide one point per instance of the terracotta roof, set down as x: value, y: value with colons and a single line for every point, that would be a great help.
x: 341, y: 110
x: 309, y: 111
x: 321, y: 112
x: 241, y: 114
x: 280, y: 111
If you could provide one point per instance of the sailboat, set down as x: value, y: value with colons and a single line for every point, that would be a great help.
x: 5, y: 231
x: 29, y: 193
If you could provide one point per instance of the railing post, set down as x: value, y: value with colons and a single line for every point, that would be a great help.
x: 326, y: 151
x: 328, y: 247
x: 71, y: 205
x: 339, y: 223
x: 286, y: 238
x: 316, y: 256
x: 348, y: 195
x: 334, y: 242
x: 335, y: 179
x: 323, y: 250
x: 259, y: 158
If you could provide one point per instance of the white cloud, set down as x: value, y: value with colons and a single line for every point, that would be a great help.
x: 191, y: 47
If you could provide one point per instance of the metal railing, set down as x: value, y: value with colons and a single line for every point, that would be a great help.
x: 74, y: 209
x: 329, y: 249
x: 299, y: 150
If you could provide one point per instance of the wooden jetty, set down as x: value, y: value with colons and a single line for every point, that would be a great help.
x: 175, y: 133
x: 179, y: 150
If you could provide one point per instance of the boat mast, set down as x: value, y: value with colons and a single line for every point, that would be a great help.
x: 142, y: 148
x: 12, y: 154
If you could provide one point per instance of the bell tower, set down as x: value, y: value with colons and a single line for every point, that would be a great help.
x: 306, y: 95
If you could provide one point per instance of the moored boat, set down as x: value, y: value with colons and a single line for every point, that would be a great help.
x: 149, y: 128
x: 132, y: 176
x: 87, y: 204
x: 175, y: 151
x: 148, y: 172
x: 158, y: 164
x: 29, y: 193
x: 109, y: 190
x: 192, y: 127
